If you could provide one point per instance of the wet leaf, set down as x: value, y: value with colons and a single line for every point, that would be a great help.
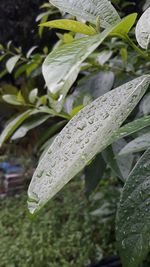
x: 87, y: 134
x: 62, y: 66
x: 143, y: 30
x: 133, y: 216
x: 89, y: 10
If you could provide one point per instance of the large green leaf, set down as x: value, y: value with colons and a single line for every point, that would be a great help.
x: 88, y: 133
x: 143, y: 30
x: 133, y: 216
x: 70, y: 25
x: 62, y: 66
x: 89, y: 10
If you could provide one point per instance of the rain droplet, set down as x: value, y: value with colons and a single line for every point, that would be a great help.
x: 40, y: 173
x: 81, y: 125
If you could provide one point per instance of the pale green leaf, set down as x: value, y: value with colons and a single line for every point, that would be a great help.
x: 70, y: 25
x: 143, y: 30
x: 89, y: 10
x: 133, y: 216
x: 88, y: 133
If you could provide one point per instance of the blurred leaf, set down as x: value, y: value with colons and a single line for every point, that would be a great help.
x: 89, y: 10
x: 143, y: 30
x: 139, y: 144
x: 12, y: 99
x: 87, y: 134
x: 31, y: 50
x: 145, y: 106
x: 133, y: 216
x: 29, y: 125
x: 33, y: 95
x: 50, y: 132
x: 121, y: 166
x: 13, y: 125
x: 10, y: 64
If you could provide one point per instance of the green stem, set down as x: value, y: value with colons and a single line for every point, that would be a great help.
x: 126, y: 38
x: 136, y: 48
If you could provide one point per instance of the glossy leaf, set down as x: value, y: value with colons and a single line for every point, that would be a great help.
x: 88, y: 133
x: 89, y: 10
x: 133, y: 216
x: 10, y: 64
x: 140, y: 143
x: 143, y: 30
x: 70, y: 25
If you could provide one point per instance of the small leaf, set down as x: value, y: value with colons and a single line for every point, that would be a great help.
x: 33, y: 95
x: 70, y: 25
x: 87, y: 134
x: 140, y: 143
x: 10, y: 64
x: 133, y: 216
x: 143, y: 30
x: 89, y: 10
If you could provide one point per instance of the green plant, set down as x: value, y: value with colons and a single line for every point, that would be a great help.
x: 98, y: 125
x: 70, y: 240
